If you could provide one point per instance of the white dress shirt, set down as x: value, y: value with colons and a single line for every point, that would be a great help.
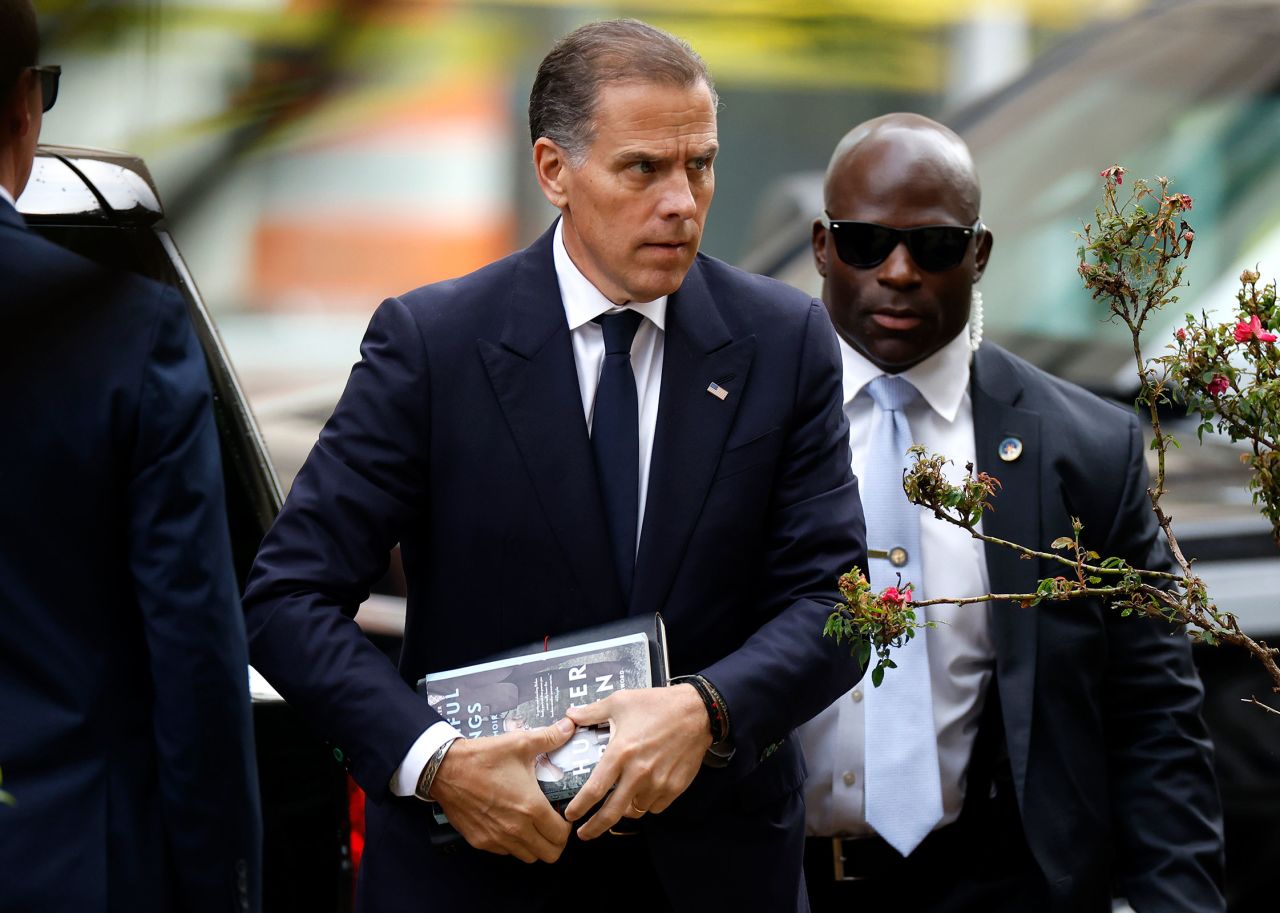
x: 7, y: 197
x: 961, y: 653
x: 583, y: 302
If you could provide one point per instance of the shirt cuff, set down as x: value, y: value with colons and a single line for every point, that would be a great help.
x: 404, y: 782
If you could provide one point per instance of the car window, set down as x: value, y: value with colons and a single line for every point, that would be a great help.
x: 1195, y: 94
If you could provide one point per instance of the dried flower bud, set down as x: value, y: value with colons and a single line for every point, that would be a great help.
x: 1114, y: 173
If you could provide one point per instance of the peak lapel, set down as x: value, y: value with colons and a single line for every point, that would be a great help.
x: 996, y: 391
x: 533, y: 375
x: 692, y: 426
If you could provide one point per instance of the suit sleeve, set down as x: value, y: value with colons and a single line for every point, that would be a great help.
x: 360, y: 486
x: 180, y: 558
x: 1166, y: 812
x: 787, y: 672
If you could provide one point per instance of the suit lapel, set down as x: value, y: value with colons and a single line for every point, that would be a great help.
x: 533, y: 375
x: 996, y: 391
x: 690, y: 433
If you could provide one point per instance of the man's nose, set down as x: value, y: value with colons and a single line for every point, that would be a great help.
x: 677, y: 197
x: 899, y: 270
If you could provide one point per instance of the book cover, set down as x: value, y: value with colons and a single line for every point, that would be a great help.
x: 536, y: 689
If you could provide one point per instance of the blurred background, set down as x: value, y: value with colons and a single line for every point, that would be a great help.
x: 316, y: 156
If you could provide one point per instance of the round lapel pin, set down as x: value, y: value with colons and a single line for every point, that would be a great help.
x: 898, y: 556
x: 1010, y: 449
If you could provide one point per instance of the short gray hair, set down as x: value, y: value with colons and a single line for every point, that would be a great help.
x: 562, y: 102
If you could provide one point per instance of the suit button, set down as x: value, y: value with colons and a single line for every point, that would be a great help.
x: 849, y: 777
x: 856, y: 695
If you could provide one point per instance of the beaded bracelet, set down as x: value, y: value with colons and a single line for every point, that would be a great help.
x: 428, y: 775
x: 723, y: 707
x: 717, y: 713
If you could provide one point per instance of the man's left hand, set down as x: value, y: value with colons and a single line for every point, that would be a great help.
x: 659, y: 737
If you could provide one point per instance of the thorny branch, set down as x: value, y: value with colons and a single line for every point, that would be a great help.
x: 1133, y: 259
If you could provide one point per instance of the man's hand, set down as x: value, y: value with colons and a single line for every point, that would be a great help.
x: 659, y: 738
x: 488, y: 789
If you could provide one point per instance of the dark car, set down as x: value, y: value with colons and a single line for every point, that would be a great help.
x: 104, y: 205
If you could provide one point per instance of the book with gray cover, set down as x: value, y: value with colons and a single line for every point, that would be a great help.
x: 534, y: 689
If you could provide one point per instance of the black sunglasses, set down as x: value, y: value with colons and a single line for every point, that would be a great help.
x: 935, y: 248
x: 49, y: 75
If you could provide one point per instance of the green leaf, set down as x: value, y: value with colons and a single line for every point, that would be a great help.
x: 877, y: 676
x: 1062, y: 542
x: 864, y: 653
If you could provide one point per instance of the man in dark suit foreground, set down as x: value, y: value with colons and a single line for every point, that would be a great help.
x: 1063, y: 749
x: 543, y: 473
x: 125, y: 735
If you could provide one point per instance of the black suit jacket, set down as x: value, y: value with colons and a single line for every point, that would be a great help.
x: 125, y: 733
x: 1110, y: 759
x: 461, y: 436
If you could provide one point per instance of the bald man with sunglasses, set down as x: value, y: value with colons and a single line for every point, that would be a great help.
x: 1017, y: 759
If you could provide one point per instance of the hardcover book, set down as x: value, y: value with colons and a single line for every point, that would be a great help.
x: 532, y: 687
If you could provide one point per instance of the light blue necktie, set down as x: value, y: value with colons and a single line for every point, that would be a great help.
x: 903, y: 786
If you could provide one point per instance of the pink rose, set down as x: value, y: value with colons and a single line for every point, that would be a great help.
x: 1218, y: 386
x: 1180, y: 201
x: 897, y: 596
x: 1252, y: 329
x: 1181, y: 334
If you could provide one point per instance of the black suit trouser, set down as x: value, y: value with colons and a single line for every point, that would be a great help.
x: 978, y: 864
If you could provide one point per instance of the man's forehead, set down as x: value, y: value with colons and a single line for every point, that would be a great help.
x: 906, y: 168
x: 639, y: 111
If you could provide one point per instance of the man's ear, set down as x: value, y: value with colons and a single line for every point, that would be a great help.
x: 983, y: 254
x: 551, y: 164
x: 819, y: 240
x: 16, y: 113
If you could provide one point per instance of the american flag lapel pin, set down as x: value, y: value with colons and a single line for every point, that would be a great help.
x: 717, y: 391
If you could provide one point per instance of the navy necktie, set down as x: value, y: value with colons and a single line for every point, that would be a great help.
x: 615, y: 438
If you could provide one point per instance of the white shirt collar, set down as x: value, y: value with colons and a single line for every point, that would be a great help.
x: 583, y: 302
x: 7, y: 197
x: 942, y: 378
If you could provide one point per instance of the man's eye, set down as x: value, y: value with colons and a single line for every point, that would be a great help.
x: 701, y: 164
x: 644, y: 167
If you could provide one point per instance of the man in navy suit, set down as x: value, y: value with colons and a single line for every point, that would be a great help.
x: 485, y: 430
x: 125, y: 734
x: 1068, y: 754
